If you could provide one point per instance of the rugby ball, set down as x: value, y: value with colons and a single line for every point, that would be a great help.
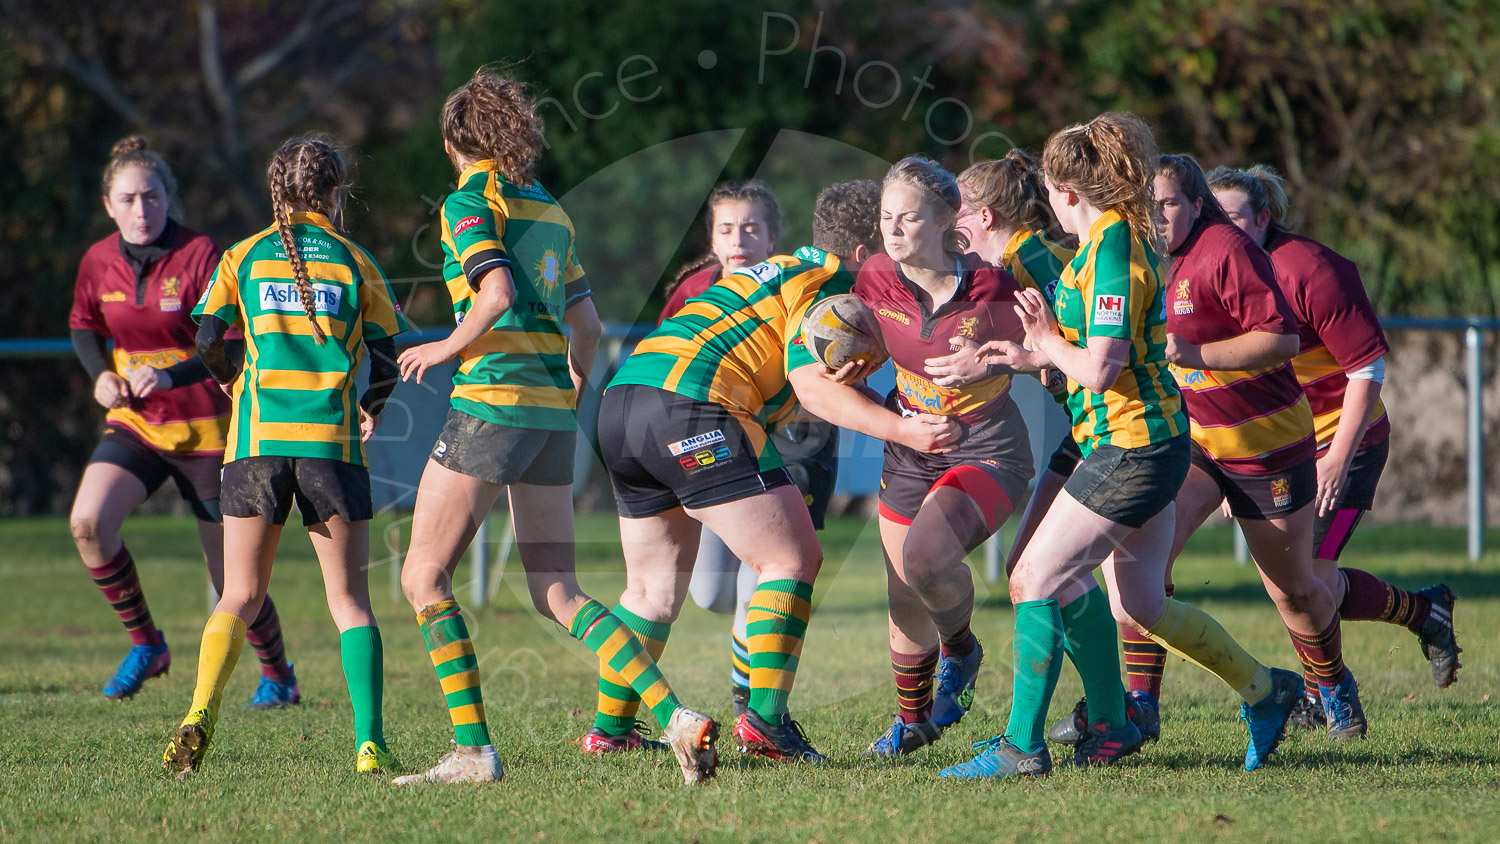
x: 840, y: 329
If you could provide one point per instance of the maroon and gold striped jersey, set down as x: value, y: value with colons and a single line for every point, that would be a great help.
x: 982, y: 308
x: 1222, y: 285
x: 155, y: 329
x: 1337, y: 326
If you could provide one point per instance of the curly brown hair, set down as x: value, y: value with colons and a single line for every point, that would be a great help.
x: 493, y: 116
x: 847, y: 216
x: 1110, y: 162
x: 136, y: 151
x: 306, y: 174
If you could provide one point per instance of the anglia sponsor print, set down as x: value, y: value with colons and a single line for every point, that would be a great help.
x: 695, y: 443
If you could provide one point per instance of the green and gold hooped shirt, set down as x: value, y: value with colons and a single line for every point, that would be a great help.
x: 516, y: 374
x: 295, y: 398
x: 1112, y: 288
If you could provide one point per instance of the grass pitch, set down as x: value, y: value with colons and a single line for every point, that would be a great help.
x: 76, y: 766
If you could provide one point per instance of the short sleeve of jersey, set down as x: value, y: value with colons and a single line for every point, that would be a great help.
x: 1339, y: 310
x: 575, y: 282
x: 1115, y: 302
x: 378, y: 311
x: 472, y: 230
x: 222, y: 298
x: 198, y: 282
x: 799, y: 299
x: 1249, y: 293
x: 85, y: 313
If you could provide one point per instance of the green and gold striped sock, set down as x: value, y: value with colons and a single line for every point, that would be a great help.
x: 452, y: 655
x: 618, y: 703
x: 618, y: 648
x: 778, y: 616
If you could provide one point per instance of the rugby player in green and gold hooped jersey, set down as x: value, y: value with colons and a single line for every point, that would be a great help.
x: 514, y: 275
x: 1109, y: 338
x: 685, y: 433
x: 309, y: 301
x: 1007, y: 220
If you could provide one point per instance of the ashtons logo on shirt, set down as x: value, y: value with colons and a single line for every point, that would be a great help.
x: 116, y: 296
x: 1109, y: 310
x: 682, y: 447
x: 283, y: 296
x: 465, y: 224
x: 894, y: 315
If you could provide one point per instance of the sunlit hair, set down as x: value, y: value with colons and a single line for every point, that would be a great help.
x: 492, y: 116
x: 1011, y: 187
x: 1187, y: 174
x: 846, y: 216
x: 1262, y: 185
x: 306, y: 174
x: 753, y: 191
x: 939, y: 190
x: 1109, y: 162
x: 136, y: 151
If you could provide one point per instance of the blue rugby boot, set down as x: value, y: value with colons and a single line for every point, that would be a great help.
x: 141, y: 664
x: 998, y: 758
x: 275, y: 694
x: 1341, y: 707
x: 903, y: 738
x: 1267, y: 718
x: 953, y: 687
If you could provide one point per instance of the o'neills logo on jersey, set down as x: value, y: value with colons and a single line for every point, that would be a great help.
x: 1109, y: 310
x: 465, y: 224
x: 283, y: 296
x: 682, y: 447
x: 895, y: 315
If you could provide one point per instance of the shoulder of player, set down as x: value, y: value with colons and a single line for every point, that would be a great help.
x: 267, y: 239
x: 469, y: 200
x: 876, y: 276
x: 775, y: 269
x: 988, y: 281
x: 357, y: 258
x: 1304, y: 258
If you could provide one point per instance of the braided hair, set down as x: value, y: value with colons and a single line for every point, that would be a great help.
x: 306, y: 174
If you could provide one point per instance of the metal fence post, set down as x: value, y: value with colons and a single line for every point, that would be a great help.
x: 993, y: 563
x: 479, y: 552
x: 1474, y: 343
x: 1241, y: 547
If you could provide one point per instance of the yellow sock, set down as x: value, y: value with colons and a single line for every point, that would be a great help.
x: 217, y: 655
x: 1195, y: 636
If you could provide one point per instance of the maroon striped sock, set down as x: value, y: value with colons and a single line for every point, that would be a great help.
x: 265, y: 637
x: 1144, y: 662
x: 914, y: 684
x: 1322, y: 654
x: 1368, y: 598
x: 1310, y: 683
x: 122, y: 588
